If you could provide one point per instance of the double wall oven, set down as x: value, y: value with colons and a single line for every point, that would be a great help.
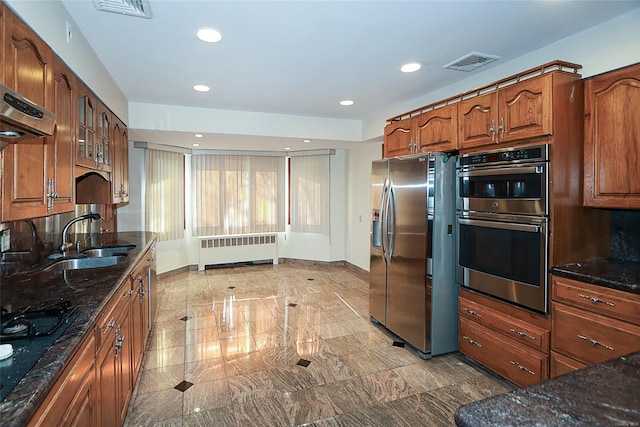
x: 502, y: 219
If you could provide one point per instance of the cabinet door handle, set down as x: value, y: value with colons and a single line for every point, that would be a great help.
x: 492, y: 131
x: 596, y: 300
x: 473, y: 313
x: 472, y: 342
x: 501, y: 128
x: 522, y: 368
x: 522, y: 334
x: 111, y: 324
x: 595, y: 342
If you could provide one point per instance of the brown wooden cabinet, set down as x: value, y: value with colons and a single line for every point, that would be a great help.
x: 140, y: 310
x: 104, y: 140
x: 517, y: 112
x: 95, y: 387
x: 591, y: 324
x: 29, y: 72
x: 398, y: 138
x: 113, y: 362
x: 120, y: 167
x: 86, y: 122
x: 59, y: 168
x: 612, y: 139
x: 71, y: 400
x: 432, y: 131
x: 437, y: 130
x: 510, y: 341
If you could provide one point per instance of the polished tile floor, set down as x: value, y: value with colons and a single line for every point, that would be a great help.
x: 289, y: 345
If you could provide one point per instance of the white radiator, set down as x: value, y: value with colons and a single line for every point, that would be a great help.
x: 232, y: 249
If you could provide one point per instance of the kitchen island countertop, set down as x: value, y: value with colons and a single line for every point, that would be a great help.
x: 605, y: 394
x: 88, y: 291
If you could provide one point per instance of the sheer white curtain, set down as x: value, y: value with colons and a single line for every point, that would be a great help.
x: 237, y: 194
x: 164, y: 198
x: 310, y: 187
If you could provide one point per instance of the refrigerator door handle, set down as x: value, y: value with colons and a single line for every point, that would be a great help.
x: 391, y: 213
x: 384, y: 220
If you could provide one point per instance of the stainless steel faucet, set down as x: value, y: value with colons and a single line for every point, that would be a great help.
x: 64, y: 247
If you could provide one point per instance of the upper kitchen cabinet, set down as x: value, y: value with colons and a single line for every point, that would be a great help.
x: 59, y: 168
x: 2, y: 25
x: 517, y: 112
x: 103, y: 149
x: 27, y: 63
x: 86, y: 122
x: 436, y: 130
x: 432, y: 131
x: 398, y: 138
x: 120, y: 168
x: 612, y: 139
x: 520, y: 108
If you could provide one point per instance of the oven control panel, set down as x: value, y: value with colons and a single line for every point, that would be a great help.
x: 513, y: 155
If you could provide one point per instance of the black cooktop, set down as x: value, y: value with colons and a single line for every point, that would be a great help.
x: 31, y: 332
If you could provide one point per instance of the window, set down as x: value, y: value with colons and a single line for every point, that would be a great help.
x: 164, y: 196
x: 310, y: 194
x: 238, y: 194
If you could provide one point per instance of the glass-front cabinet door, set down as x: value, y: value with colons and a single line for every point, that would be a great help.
x: 86, y: 149
x: 104, y: 142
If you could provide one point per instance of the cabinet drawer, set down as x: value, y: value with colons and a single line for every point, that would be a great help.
x: 609, y: 302
x: 561, y: 364
x: 516, y: 362
x: 107, y: 321
x: 521, y: 331
x: 591, y: 338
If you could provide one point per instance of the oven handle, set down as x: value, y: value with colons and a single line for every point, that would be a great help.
x: 507, y: 170
x: 530, y: 228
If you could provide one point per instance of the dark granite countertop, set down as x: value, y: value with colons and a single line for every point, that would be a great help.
x: 605, y: 394
x: 88, y: 290
x: 621, y: 275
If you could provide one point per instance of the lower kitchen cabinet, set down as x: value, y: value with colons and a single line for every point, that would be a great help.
x: 71, y: 401
x: 96, y: 386
x: 591, y: 324
x: 506, y: 339
x: 140, y: 310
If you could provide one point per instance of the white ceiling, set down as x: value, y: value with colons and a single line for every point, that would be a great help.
x: 303, y: 57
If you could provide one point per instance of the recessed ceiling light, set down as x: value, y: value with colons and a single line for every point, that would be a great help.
x: 410, y: 67
x: 306, y: 140
x: 346, y: 102
x: 196, y: 144
x: 199, y: 135
x: 201, y: 88
x: 287, y: 148
x: 209, y: 35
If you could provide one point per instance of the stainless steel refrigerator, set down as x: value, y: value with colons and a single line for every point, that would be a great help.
x: 412, y: 289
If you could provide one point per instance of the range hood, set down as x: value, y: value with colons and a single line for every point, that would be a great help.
x: 21, y: 118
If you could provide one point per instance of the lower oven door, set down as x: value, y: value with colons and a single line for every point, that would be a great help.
x: 505, y: 257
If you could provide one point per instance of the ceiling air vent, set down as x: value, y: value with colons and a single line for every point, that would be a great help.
x: 139, y: 8
x: 471, y: 61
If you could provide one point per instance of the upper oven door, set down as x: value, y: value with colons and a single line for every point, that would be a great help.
x: 518, y: 189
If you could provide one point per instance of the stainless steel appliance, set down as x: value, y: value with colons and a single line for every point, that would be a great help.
x: 502, y: 210
x: 412, y: 286
x: 21, y: 118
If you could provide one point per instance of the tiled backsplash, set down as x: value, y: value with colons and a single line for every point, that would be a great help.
x: 625, y: 235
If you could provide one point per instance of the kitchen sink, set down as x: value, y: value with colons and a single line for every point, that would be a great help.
x: 107, y: 251
x: 86, y: 262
